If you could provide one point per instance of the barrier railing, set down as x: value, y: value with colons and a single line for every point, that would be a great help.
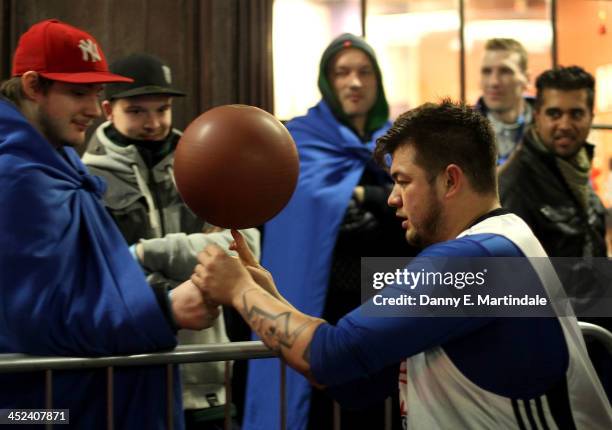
x: 10, y: 363
x: 181, y: 354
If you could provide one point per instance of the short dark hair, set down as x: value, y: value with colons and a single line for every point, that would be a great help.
x: 445, y: 133
x: 12, y: 90
x: 566, y: 79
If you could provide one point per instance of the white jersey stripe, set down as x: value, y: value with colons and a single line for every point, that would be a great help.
x: 533, y: 414
x: 517, y: 414
x: 523, y: 412
x: 546, y: 415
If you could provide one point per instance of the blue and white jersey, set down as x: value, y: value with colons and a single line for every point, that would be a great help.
x: 469, y: 372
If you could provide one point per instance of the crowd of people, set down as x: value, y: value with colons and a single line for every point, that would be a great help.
x: 101, y: 256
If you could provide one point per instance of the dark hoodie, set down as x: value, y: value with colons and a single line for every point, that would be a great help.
x: 368, y: 228
x: 379, y: 114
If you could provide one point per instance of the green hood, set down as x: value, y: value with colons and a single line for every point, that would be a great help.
x: 379, y: 114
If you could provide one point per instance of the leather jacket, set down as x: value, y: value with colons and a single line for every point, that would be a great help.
x: 532, y: 186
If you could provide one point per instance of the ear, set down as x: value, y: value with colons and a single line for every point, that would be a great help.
x: 107, y: 108
x: 454, y: 180
x: 30, y: 85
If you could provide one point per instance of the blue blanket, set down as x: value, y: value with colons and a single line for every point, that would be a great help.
x: 69, y: 286
x: 298, y: 246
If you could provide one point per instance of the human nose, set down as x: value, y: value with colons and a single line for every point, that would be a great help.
x: 493, y: 78
x: 152, y: 121
x: 565, y: 122
x: 92, y: 108
x: 394, y: 200
x: 355, y: 80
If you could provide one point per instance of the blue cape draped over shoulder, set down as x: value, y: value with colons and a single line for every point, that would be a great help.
x: 298, y: 246
x: 69, y: 286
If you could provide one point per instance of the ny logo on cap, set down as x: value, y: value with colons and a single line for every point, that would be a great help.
x: 89, y: 50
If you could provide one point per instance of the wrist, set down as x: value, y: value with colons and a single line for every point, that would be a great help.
x: 164, y: 300
x: 243, y: 288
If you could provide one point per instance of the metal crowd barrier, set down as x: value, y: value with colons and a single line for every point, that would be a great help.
x: 10, y: 363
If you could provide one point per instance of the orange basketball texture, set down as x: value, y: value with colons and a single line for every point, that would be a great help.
x: 236, y: 166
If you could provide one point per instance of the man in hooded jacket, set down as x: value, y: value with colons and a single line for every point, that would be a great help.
x: 337, y: 214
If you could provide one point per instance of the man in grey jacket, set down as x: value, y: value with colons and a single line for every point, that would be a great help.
x: 134, y: 152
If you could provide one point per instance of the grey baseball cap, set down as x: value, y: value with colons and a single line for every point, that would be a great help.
x: 150, y: 74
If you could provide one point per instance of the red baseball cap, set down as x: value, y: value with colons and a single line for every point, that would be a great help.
x: 61, y: 52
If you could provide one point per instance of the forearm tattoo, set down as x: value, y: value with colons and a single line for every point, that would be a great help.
x: 274, y: 329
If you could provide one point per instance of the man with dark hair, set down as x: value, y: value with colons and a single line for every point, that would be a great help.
x: 454, y: 372
x: 437, y: 146
x: 503, y: 81
x: 68, y: 284
x: 546, y: 181
x: 339, y: 206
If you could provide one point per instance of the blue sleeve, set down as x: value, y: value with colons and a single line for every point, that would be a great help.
x: 360, y: 349
x: 360, y: 346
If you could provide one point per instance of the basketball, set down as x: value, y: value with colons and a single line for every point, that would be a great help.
x: 236, y: 166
